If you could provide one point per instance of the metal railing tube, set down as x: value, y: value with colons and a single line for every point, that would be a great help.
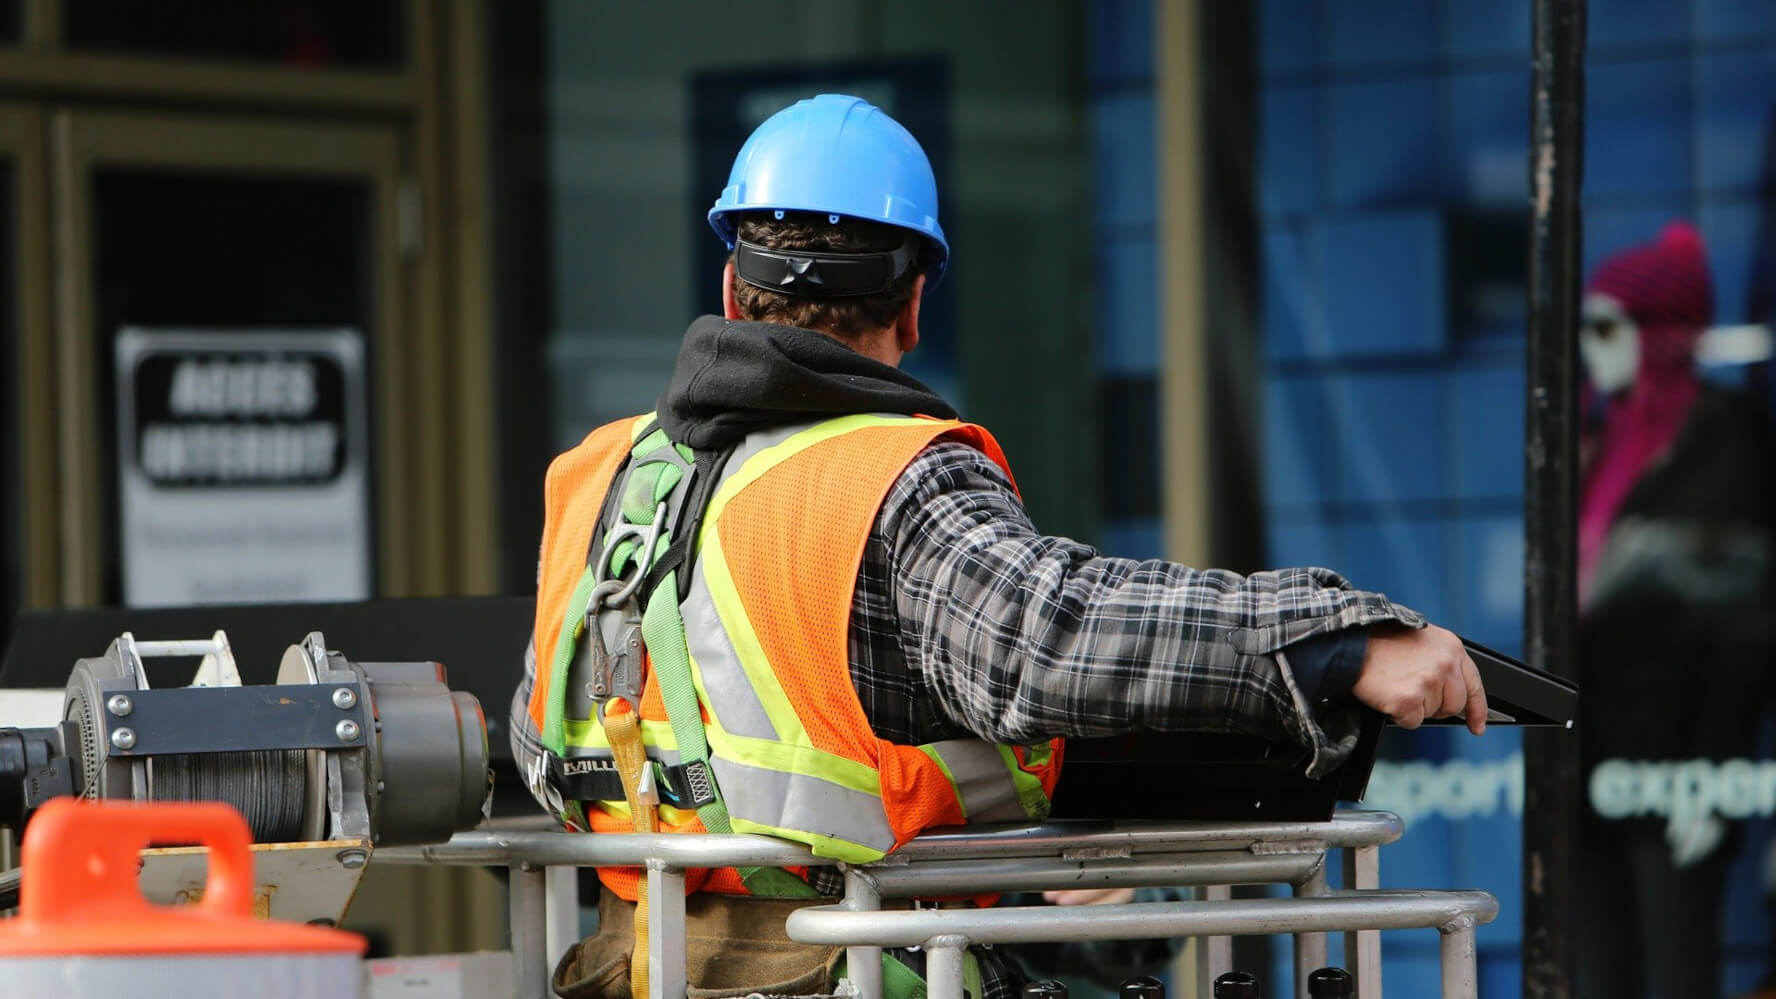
x: 863, y: 964
x: 1214, y: 954
x: 1385, y: 910
x: 482, y: 848
x: 503, y: 846
x: 530, y: 961
x: 667, y: 977
x: 943, y: 965
x: 1460, y: 977
x: 1310, y: 948
x: 1362, y: 949
x: 1209, y: 867
x: 1353, y: 828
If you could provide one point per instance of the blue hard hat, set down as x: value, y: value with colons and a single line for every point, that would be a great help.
x: 835, y: 155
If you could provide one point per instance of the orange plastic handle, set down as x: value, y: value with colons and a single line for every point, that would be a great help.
x: 82, y: 858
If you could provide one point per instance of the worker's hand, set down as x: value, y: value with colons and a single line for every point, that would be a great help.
x: 1089, y: 896
x: 1413, y: 674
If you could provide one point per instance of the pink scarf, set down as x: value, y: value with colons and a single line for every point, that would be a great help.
x: 1665, y: 289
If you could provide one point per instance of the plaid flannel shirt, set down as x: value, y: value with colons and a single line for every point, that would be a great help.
x: 966, y: 621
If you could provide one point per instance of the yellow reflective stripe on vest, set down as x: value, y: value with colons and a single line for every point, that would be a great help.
x: 1029, y: 786
x: 756, y: 466
x: 586, y: 733
x: 668, y: 814
x: 848, y: 774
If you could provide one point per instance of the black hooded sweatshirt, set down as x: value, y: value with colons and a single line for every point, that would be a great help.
x: 735, y: 377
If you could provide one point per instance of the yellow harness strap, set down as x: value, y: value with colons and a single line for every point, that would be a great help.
x: 624, y: 731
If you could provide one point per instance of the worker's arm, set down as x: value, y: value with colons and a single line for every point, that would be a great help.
x: 1021, y: 637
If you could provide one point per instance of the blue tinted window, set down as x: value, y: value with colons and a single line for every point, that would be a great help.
x: 1637, y: 127
x: 1382, y: 140
x: 1384, y: 288
x: 1123, y: 155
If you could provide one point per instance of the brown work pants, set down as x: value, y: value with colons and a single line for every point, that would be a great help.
x: 735, y: 945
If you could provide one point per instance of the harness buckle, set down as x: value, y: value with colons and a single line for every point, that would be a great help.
x: 541, y: 787
x: 698, y: 784
x: 624, y: 672
x: 618, y: 667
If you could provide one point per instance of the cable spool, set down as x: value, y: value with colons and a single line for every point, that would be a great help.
x: 335, y: 750
x: 268, y: 786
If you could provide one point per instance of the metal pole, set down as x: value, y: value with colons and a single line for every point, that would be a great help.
x: 943, y: 966
x: 1556, y: 169
x: 863, y: 965
x: 1203, y: 867
x: 1310, y: 948
x: 527, y: 898
x: 835, y: 925
x: 666, y: 931
x: 562, y: 911
x: 1362, y: 948
x: 1461, y: 978
x: 1214, y: 955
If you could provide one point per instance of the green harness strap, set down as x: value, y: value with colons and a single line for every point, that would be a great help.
x: 902, y: 982
x: 573, y: 625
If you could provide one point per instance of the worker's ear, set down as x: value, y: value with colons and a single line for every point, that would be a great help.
x: 906, y: 325
x: 730, y: 308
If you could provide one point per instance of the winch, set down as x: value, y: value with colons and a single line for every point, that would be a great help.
x: 334, y: 750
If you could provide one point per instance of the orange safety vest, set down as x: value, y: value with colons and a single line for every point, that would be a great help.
x: 780, y: 548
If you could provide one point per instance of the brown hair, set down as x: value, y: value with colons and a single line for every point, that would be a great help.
x: 840, y: 316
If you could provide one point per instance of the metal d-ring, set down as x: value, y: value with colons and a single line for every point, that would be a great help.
x: 644, y: 561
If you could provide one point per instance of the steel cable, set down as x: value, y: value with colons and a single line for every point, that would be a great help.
x: 268, y: 786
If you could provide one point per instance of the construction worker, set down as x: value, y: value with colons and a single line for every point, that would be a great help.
x: 801, y: 599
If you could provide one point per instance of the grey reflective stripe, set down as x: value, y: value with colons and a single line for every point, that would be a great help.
x: 732, y: 700
x: 982, y: 781
x: 798, y: 802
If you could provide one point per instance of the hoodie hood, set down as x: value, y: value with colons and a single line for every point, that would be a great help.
x: 735, y: 377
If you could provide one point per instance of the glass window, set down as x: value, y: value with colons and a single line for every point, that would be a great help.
x: 648, y: 106
x: 1390, y: 189
x: 206, y: 250
x: 1392, y: 182
x: 294, y: 34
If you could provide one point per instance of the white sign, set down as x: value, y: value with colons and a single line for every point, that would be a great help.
x: 243, y: 467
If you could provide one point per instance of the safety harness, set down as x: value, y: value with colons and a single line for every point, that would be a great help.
x: 649, y: 547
